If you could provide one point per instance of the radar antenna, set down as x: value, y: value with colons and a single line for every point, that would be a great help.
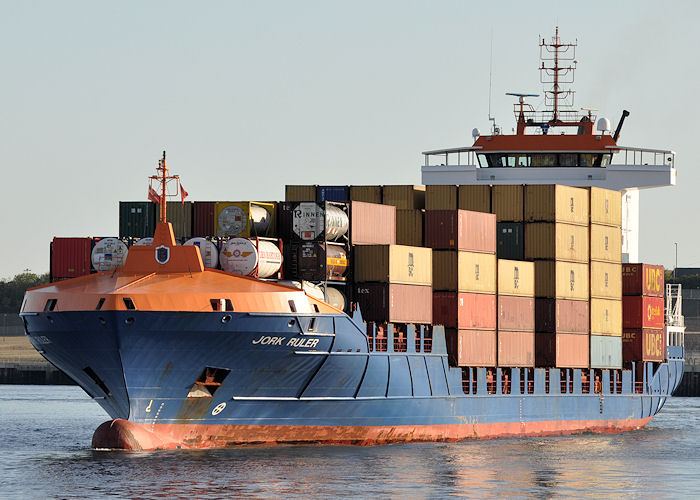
x: 160, y: 194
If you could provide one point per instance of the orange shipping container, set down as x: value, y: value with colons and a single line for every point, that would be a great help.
x: 372, y: 224
x: 562, y: 350
x: 460, y: 230
x: 471, y: 347
x: 466, y: 311
x: 395, y: 303
x: 516, y: 349
x: 516, y: 314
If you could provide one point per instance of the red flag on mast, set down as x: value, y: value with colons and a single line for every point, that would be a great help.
x: 183, y: 193
x: 153, y: 196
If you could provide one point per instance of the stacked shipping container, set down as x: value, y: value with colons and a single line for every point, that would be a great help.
x: 464, y: 283
x: 606, y: 278
x: 643, y: 334
x: 556, y: 238
x: 516, y: 313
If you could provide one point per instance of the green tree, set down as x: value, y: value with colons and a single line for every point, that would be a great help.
x: 12, y: 291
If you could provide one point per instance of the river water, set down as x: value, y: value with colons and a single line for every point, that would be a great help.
x: 45, y: 453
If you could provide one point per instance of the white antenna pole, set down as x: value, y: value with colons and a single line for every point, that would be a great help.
x: 491, y: 118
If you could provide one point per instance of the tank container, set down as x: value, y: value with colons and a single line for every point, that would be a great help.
x: 207, y: 249
x: 251, y: 257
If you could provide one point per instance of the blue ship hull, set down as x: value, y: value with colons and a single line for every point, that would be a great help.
x: 188, y: 379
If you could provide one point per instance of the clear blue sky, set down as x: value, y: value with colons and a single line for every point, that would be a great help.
x: 249, y: 96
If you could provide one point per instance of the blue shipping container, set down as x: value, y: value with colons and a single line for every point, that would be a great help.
x: 332, y: 193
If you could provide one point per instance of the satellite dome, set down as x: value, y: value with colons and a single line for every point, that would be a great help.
x: 475, y: 133
x: 603, y: 125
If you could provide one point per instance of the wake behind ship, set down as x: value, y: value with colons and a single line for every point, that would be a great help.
x: 431, y: 340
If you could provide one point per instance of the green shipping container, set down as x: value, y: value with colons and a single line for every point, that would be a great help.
x: 180, y: 216
x: 137, y: 219
x: 510, y: 240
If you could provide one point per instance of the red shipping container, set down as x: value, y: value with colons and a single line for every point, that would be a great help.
x: 395, y: 303
x: 642, y: 312
x: 460, y: 230
x: 516, y: 314
x: 516, y: 348
x: 203, y: 218
x: 562, y: 316
x: 372, y: 224
x: 471, y: 347
x: 642, y: 279
x: 474, y: 311
x: 562, y: 350
x: 70, y: 257
x: 643, y: 344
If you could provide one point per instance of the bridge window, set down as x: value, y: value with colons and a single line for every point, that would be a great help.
x: 504, y: 160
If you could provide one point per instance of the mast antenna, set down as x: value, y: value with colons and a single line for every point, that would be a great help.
x: 555, y: 52
x: 492, y: 119
x: 161, y: 180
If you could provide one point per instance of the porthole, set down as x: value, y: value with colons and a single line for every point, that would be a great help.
x: 129, y: 320
x: 291, y: 323
x: 226, y: 319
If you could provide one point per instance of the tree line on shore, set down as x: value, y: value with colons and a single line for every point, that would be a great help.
x: 12, y: 291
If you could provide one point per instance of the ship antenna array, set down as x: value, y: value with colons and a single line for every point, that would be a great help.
x: 161, y: 180
x: 556, y: 52
x: 495, y: 130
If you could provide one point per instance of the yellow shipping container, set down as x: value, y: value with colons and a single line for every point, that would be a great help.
x: 409, y: 227
x: 441, y: 197
x: 561, y: 280
x: 555, y: 203
x: 606, y: 243
x: 464, y: 271
x: 412, y: 197
x: 606, y: 280
x: 244, y: 218
x: 299, y: 193
x: 606, y: 317
x: 402, y: 264
x: 556, y: 241
x: 368, y: 194
x: 606, y: 206
x: 507, y: 203
x: 475, y: 198
x: 516, y: 277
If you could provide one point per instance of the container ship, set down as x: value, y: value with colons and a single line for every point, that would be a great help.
x: 501, y: 298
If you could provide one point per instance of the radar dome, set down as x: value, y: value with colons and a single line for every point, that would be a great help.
x: 475, y: 133
x: 603, y: 125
